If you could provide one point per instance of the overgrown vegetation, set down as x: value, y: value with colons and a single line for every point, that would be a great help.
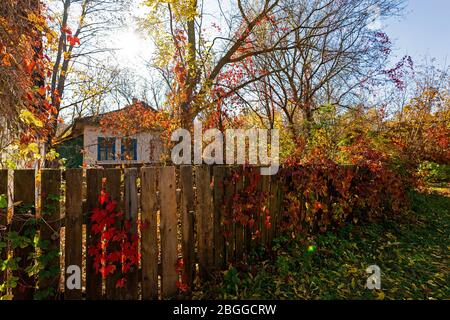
x: 26, y: 255
x: 412, y: 252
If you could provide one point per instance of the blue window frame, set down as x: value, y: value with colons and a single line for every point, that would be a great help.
x: 128, y: 149
x: 106, y: 149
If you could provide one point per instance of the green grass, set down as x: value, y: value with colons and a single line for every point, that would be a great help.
x: 412, y: 252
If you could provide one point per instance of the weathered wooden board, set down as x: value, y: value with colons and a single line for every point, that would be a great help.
x: 3, y: 216
x: 24, y: 197
x: 205, y: 221
x: 73, y: 229
x: 169, y: 255
x: 229, y: 221
x: 187, y: 223
x: 94, y: 177
x: 50, y: 230
x: 219, y: 240
x: 149, y: 241
x: 131, y: 214
x: 240, y: 236
x: 113, y: 188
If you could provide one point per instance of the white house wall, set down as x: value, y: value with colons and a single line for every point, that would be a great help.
x: 145, y: 143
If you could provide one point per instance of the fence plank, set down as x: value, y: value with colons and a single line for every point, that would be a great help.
x: 274, y: 207
x: 113, y: 188
x: 24, y: 192
x: 3, y: 216
x: 187, y: 223
x: 204, y: 221
x: 240, y: 244
x: 229, y: 217
x: 149, y: 208
x: 73, y: 226
x: 168, y: 231
x: 279, y: 205
x: 265, y: 189
x: 249, y: 229
x: 131, y: 213
x: 219, y: 241
x: 93, y: 280
x: 51, y: 213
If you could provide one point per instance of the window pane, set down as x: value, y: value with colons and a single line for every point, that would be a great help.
x: 106, y: 149
x: 129, y: 151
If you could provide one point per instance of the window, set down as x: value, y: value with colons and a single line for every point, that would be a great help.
x: 106, y: 149
x: 129, y: 149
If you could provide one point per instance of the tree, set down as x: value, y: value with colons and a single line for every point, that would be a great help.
x: 23, y: 67
x: 193, y: 69
x: 81, y: 26
x: 297, y: 55
x: 333, y: 57
x: 420, y: 130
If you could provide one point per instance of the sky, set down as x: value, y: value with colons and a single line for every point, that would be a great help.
x: 423, y: 32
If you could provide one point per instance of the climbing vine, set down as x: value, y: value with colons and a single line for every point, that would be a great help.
x: 39, y: 260
x: 116, y: 253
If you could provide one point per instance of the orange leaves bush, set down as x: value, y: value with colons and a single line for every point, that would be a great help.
x: 321, y: 194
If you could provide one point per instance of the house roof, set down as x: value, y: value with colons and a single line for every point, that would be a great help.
x: 76, y: 129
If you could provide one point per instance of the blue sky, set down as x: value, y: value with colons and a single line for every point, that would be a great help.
x: 424, y: 31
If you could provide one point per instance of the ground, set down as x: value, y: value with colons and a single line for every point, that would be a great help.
x: 412, y: 252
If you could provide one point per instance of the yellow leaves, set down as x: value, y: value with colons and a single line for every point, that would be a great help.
x: 182, y: 10
x: 37, y: 21
x: 165, y: 48
x: 30, y: 119
x: 353, y: 270
x: 21, y: 154
x: 51, y: 37
x: 40, y: 25
x: 379, y: 295
x: 29, y: 151
x: 51, y: 155
x: 32, y: 147
x: 67, y: 55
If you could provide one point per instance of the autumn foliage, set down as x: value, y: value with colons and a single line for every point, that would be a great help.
x: 116, y: 253
x: 24, y: 67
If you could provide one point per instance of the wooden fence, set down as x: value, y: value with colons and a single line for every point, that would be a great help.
x: 188, y: 211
